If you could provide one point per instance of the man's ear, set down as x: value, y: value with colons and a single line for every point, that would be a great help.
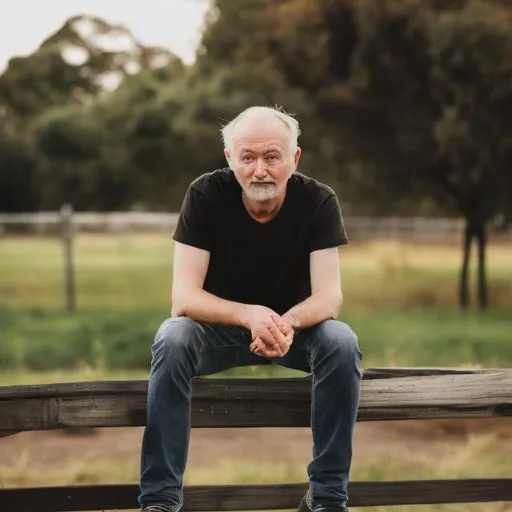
x: 296, y: 157
x: 228, y: 156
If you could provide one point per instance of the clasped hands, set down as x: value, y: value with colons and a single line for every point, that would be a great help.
x: 272, y: 334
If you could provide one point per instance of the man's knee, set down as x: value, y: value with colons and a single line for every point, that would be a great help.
x: 175, y: 337
x: 335, y: 337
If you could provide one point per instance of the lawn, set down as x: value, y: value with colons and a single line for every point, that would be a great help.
x: 399, y: 298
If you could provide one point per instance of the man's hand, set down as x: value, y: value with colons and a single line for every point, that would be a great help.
x: 261, y: 348
x: 263, y: 324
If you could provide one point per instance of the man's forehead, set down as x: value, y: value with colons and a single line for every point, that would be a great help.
x: 258, y: 144
x: 261, y: 126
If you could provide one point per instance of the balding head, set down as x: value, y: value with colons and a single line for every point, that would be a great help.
x: 261, y: 122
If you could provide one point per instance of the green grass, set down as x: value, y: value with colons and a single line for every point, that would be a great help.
x: 400, y: 299
x: 135, y: 271
x: 42, y: 340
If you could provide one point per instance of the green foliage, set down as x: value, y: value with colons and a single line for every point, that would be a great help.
x: 399, y: 300
x: 18, y: 190
x: 66, y: 134
x: 382, y: 90
x: 43, y: 340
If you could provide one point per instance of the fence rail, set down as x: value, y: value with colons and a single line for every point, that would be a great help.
x: 258, y: 497
x: 259, y: 402
x: 360, y: 228
x: 387, y: 394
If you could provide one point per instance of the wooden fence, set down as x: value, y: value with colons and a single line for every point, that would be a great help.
x: 411, y: 229
x: 388, y: 394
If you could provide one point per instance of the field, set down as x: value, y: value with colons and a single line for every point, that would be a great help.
x: 399, y: 298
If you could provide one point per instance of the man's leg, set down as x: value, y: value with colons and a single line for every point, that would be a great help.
x: 182, y: 349
x: 331, y: 353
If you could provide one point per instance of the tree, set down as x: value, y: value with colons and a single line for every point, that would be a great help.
x: 80, y: 60
x: 443, y: 82
x: 421, y: 88
x: 59, y: 102
x: 17, y: 168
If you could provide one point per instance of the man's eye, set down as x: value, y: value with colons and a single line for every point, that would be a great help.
x: 246, y: 158
x: 272, y: 157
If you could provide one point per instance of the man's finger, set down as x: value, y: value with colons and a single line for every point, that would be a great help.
x: 278, y: 336
x: 269, y: 342
x: 259, y: 348
x: 284, y: 326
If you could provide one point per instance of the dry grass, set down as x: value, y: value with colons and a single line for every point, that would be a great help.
x: 479, y: 456
x: 127, y: 270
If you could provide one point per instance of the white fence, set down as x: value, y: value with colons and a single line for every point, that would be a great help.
x: 413, y: 229
x: 65, y: 224
x: 358, y: 228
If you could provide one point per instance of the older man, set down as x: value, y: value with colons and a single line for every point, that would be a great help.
x: 256, y: 280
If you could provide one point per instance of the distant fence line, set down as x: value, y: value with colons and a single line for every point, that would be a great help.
x: 65, y: 224
x: 416, y: 229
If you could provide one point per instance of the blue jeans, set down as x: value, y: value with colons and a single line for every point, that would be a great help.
x: 184, y: 348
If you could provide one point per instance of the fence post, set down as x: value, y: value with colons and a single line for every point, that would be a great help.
x: 66, y: 214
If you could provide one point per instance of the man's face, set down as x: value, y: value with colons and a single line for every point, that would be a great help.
x: 261, y: 158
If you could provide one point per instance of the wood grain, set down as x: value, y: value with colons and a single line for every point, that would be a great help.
x: 256, y: 497
x: 256, y: 402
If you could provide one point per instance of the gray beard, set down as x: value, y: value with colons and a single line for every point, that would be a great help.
x: 261, y: 193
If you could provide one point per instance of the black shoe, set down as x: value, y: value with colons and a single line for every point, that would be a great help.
x: 160, y: 507
x: 306, y: 506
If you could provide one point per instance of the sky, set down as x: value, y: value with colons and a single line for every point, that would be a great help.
x: 173, y: 24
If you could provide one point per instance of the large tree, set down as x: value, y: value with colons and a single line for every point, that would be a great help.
x: 442, y: 81
x: 421, y: 88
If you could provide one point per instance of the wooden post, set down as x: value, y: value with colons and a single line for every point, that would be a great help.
x: 66, y: 213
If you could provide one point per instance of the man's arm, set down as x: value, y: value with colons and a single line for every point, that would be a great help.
x: 326, y: 297
x: 191, y: 300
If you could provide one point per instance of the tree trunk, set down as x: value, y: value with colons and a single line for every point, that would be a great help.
x: 482, y: 278
x: 464, y: 285
x: 474, y: 230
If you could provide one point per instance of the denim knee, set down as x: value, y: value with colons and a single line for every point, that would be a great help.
x: 175, y: 339
x: 337, y: 340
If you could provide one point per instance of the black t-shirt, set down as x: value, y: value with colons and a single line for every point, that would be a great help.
x: 253, y: 262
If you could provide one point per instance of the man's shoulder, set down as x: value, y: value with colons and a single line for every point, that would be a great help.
x: 311, y: 187
x: 213, y: 182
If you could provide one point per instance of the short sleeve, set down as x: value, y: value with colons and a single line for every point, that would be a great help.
x: 195, y: 221
x: 328, y: 228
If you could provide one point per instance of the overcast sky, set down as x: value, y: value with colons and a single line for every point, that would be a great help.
x: 174, y: 24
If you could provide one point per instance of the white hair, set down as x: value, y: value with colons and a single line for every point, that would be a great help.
x: 287, y: 119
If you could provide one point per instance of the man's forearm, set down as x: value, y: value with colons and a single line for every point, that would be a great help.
x: 315, y: 309
x: 205, y: 307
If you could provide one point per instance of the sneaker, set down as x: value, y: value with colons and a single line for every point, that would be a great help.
x: 159, y: 507
x: 306, y: 505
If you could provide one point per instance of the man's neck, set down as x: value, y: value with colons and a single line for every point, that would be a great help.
x: 263, y: 211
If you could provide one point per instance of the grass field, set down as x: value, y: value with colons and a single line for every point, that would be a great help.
x: 135, y: 271
x: 399, y: 298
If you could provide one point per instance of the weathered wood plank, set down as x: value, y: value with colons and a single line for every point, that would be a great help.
x: 268, y: 402
x: 256, y: 497
x: 207, y: 387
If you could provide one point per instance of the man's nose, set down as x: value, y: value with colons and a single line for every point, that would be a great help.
x: 260, y: 170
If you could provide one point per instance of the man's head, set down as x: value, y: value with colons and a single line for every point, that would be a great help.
x: 260, y: 145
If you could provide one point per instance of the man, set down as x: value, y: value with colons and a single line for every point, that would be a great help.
x: 256, y: 280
